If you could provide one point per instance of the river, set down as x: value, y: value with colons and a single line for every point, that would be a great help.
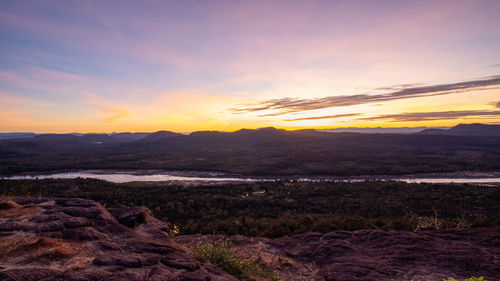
x: 187, y: 177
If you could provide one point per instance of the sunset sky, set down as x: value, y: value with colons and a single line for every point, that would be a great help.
x: 104, y: 66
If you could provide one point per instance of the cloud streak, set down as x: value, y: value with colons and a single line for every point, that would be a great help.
x: 432, y: 116
x: 117, y: 114
x: 289, y: 105
x: 324, y: 117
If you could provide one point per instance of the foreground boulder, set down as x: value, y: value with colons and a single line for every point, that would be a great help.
x: 77, y: 239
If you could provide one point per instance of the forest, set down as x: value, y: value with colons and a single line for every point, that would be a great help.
x: 266, y: 151
x: 275, y: 209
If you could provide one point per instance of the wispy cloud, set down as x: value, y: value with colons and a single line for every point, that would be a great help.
x: 324, y: 117
x: 288, y: 105
x: 431, y: 116
x: 498, y: 104
x: 398, y: 87
x: 117, y: 114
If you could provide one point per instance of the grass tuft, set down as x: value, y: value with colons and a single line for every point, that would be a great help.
x: 224, y: 256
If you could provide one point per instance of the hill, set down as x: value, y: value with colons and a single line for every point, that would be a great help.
x: 126, y: 137
x: 380, y: 130
x: 265, y: 151
x: 159, y: 136
x: 16, y: 135
x: 466, y: 130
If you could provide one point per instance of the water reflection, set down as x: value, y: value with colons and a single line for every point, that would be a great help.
x: 128, y: 177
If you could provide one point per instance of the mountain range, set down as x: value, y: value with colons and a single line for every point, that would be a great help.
x: 459, y: 130
x: 466, y: 130
x: 264, y: 151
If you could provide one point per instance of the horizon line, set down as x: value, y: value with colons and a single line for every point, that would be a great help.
x: 257, y: 128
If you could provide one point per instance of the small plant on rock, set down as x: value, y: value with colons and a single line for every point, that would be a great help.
x: 174, y: 231
x: 224, y: 256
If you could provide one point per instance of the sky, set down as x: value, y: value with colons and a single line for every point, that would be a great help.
x: 142, y: 66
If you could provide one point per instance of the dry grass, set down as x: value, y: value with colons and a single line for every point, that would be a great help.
x: 226, y: 257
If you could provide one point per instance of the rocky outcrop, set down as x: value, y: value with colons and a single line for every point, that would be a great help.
x: 373, y: 254
x: 76, y: 239
x: 380, y: 255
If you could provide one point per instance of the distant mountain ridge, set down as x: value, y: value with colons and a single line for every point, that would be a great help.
x: 264, y: 151
x: 475, y: 129
x: 121, y: 137
x: 17, y: 135
x: 381, y: 130
x: 159, y: 136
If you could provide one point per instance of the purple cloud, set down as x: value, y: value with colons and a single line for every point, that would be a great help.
x: 324, y: 117
x: 431, y: 116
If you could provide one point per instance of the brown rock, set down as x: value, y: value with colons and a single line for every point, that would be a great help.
x: 73, y: 275
x: 82, y: 234
x: 77, y: 222
x: 86, y: 212
x: 8, y: 204
x: 91, y: 243
x: 28, y: 274
x: 161, y: 273
x: 120, y: 259
x: 131, y: 216
x: 199, y: 275
x: 49, y: 226
x: 182, y: 261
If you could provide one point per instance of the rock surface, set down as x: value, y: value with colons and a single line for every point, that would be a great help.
x: 373, y: 254
x: 77, y: 239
